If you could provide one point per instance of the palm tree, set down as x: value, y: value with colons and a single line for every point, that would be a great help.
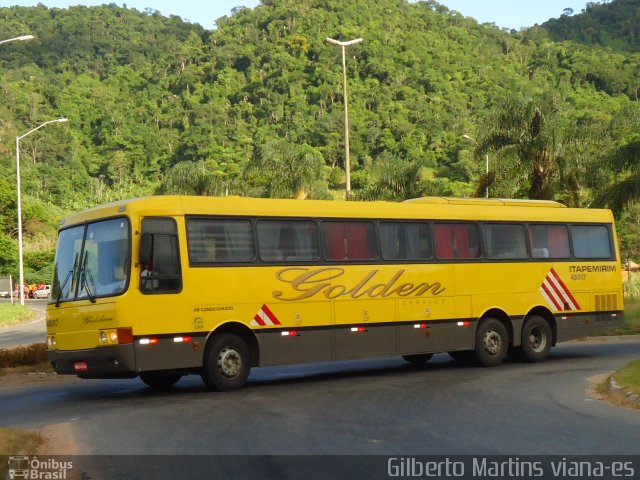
x: 287, y: 170
x: 194, y: 178
x: 530, y: 129
x: 395, y: 179
x: 624, y: 160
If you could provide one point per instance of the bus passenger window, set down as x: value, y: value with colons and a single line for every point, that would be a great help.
x: 353, y: 241
x: 456, y: 240
x: 216, y: 240
x: 405, y: 241
x: 287, y: 241
x: 504, y: 241
x: 591, y: 241
x: 549, y: 241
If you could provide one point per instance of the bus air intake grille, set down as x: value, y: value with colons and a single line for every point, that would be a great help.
x: 607, y: 302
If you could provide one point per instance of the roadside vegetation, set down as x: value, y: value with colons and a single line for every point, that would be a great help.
x: 12, y: 314
x: 28, y: 359
x: 15, y: 441
x: 631, y: 318
x: 623, y: 387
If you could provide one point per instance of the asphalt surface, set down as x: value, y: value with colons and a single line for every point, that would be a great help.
x: 377, y: 407
x: 34, y: 331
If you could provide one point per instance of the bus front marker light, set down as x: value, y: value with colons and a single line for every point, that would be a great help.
x: 113, y: 336
x: 103, y: 337
x: 125, y: 335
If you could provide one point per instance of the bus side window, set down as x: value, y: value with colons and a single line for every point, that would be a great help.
x: 161, y: 273
x: 549, y: 241
x: 456, y: 240
x: 351, y: 241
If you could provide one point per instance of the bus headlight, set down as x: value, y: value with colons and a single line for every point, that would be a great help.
x: 115, y: 336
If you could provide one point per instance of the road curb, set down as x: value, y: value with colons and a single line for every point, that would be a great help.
x: 626, y: 397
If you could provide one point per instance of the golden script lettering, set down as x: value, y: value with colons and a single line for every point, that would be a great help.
x: 307, y: 282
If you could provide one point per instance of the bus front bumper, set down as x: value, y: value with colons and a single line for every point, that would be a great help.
x: 112, y: 361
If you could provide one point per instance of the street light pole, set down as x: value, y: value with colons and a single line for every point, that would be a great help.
x: 486, y: 161
x: 19, y: 202
x: 347, y: 160
x: 21, y: 38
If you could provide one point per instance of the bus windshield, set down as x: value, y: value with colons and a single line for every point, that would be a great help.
x: 92, y: 261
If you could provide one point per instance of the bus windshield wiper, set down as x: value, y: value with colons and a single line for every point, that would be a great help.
x: 64, y: 284
x: 89, y: 289
x: 86, y: 273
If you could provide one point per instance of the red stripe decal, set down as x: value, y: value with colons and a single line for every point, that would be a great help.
x: 259, y: 320
x: 566, y: 290
x: 270, y: 314
x: 552, y: 297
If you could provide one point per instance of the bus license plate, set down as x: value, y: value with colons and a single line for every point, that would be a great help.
x: 80, y: 366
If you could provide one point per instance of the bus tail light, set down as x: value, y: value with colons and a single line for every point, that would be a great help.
x: 289, y: 333
x: 148, y: 341
x: 420, y: 325
x: 464, y: 324
x: 181, y: 339
x: 358, y: 329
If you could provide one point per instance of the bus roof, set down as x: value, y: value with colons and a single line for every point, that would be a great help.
x: 433, y: 208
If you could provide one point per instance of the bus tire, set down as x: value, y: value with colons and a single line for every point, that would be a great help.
x: 226, y: 363
x: 160, y: 380
x: 418, y: 359
x: 536, y: 339
x: 492, y: 342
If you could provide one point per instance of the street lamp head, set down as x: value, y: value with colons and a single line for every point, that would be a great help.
x: 21, y: 38
x: 344, y: 44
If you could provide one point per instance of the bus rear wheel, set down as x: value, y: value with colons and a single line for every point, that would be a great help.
x: 418, y: 359
x: 160, y: 380
x: 492, y: 342
x: 536, y: 339
x: 226, y: 363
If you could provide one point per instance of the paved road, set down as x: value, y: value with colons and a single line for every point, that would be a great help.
x: 33, y: 331
x: 369, y: 407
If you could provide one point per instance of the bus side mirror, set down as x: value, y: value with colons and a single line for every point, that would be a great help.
x: 146, y: 244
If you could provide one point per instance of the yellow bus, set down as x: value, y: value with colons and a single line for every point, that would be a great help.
x: 166, y: 286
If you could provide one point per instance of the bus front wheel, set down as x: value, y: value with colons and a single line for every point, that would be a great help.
x: 536, y: 339
x: 226, y: 363
x: 492, y: 342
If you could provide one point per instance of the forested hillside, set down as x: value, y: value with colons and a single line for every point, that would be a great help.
x: 255, y: 107
x: 609, y: 24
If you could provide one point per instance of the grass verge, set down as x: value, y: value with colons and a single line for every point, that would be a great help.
x: 14, y: 441
x: 13, y: 314
x: 631, y: 318
x: 629, y: 377
x: 623, y: 387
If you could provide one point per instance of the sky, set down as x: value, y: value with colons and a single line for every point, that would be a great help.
x: 504, y: 13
